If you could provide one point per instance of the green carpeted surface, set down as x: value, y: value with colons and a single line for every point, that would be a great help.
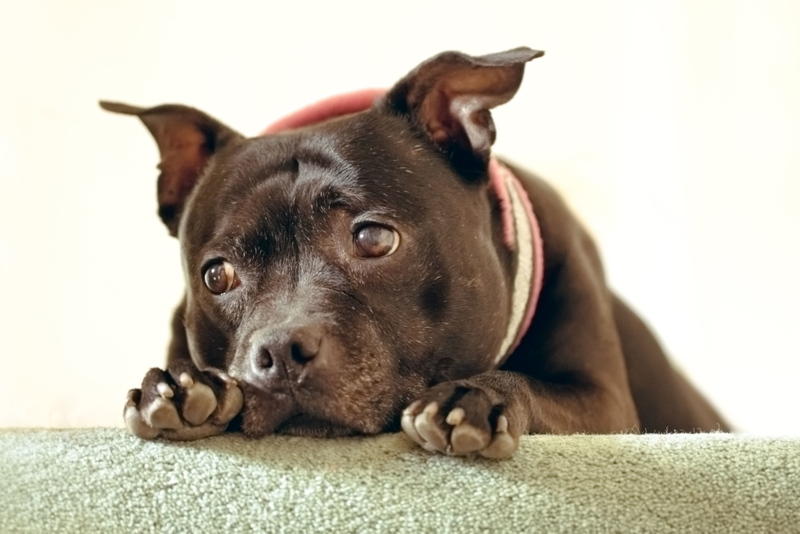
x: 103, y: 480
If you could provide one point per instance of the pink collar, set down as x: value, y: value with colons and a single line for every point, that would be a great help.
x: 520, y: 228
x: 521, y: 234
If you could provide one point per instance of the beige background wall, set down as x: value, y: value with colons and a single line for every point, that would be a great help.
x: 673, y: 128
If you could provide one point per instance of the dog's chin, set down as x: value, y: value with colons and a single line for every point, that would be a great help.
x: 306, y: 425
x: 267, y: 413
x: 300, y: 425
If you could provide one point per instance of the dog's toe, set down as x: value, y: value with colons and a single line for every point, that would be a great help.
x: 156, y: 404
x: 465, y: 439
x: 503, y: 444
x: 161, y: 413
x: 199, y: 400
x: 133, y: 418
x: 230, y: 398
x: 430, y: 430
x: 407, y: 422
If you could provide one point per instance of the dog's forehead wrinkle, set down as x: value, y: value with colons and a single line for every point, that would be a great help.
x: 320, y: 151
x: 319, y: 178
x: 325, y: 188
x: 264, y: 158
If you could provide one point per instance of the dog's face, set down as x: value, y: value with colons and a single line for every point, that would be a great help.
x: 332, y: 272
x: 338, y: 270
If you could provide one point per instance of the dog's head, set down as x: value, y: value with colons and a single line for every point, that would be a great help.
x: 339, y: 269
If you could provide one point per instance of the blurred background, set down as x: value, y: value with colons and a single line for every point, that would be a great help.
x: 672, y: 128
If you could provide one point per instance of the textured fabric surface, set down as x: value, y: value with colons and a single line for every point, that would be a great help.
x: 103, y: 480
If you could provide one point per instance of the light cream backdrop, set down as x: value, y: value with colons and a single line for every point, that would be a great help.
x: 673, y: 128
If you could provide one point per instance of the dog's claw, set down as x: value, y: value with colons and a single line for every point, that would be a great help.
x: 502, y: 424
x: 431, y: 410
x: 455, y: 416
x: 222, y: 375
x: 186, y: 380
x: 164, y: 390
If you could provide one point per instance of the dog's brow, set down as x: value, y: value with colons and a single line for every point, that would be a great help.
x: 332, y: 197
x: 315, y: 158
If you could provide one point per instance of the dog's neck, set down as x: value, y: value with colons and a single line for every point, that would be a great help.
x: 520, y: 228
x: 521, y: 235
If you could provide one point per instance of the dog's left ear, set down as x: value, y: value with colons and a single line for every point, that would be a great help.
x: 187, y: 138
x: 449, y: 97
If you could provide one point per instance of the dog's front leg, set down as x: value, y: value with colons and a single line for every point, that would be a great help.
x: 486, y: 414
x: 568, y: 375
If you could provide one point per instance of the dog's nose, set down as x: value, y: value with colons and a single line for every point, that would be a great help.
x: 285, y: 349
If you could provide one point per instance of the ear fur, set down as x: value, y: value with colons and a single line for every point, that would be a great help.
x: 186, y: 139
x: 449, y: 97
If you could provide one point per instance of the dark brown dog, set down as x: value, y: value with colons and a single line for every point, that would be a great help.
x: 364, y: 273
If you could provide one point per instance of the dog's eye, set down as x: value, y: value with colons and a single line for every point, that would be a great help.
x: 220, y: 277
x: 375, y: 240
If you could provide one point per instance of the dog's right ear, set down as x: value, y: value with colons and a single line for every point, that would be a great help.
x: 186, y: 139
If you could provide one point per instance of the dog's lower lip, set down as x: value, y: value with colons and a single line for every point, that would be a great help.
x: 303, y: 424
x: 301, y: 418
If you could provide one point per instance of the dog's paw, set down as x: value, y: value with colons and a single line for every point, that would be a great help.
x: 182, y: 403
x: 458, y: 419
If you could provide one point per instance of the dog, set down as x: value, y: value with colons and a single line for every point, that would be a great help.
x: 368, y: 268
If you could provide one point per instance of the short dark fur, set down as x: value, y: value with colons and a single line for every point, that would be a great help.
x: 350, y: 342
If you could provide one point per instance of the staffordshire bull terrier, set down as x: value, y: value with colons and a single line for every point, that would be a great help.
x: 367, y: 266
